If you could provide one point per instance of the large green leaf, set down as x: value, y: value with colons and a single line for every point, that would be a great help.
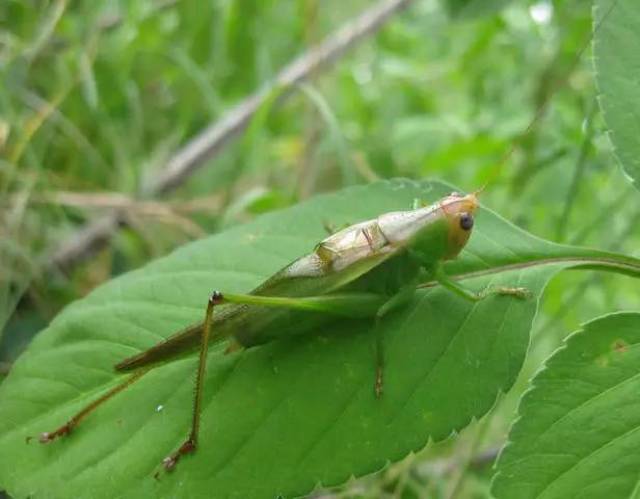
x: 617, y: 63
x: 578, y: 432
x: 281, y: 418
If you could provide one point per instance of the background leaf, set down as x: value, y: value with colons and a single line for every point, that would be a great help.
x: 618, y: 73
x: 578, y: 431
x: 281, y: 418
x: 472, y: 8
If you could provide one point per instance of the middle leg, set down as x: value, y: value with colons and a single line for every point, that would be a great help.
x: 396, y: 301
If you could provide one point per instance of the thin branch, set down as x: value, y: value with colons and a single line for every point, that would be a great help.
x: 207, y: 144
x: 116, y: 200
x: 87, y: 241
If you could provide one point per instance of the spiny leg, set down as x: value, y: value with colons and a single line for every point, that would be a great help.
x: 66, y: 428
x: 190, y: 444
x: 397, y: 300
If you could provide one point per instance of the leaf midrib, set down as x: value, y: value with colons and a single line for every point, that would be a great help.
x: 615, y: 265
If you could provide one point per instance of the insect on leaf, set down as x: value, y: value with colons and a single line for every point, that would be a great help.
x: 577, y: 435
x: 281, y: 418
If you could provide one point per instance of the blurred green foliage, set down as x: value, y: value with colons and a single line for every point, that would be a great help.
x: 95, y: 95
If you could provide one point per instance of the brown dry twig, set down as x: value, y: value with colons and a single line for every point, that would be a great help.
x: 116, y: 200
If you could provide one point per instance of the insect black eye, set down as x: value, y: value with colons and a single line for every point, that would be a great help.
x: 466, y: 221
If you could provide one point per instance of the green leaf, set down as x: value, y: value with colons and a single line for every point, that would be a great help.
x: 280, y: 418
x: 616, y: 43
x: 474, y: 8
x: 578, y: 431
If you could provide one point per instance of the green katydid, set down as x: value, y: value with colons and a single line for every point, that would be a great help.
x: 363, y: 271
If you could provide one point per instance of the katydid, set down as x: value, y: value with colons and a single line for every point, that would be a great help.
x: 363, y: 271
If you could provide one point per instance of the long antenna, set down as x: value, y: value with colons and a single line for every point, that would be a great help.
x: 554, y: 89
